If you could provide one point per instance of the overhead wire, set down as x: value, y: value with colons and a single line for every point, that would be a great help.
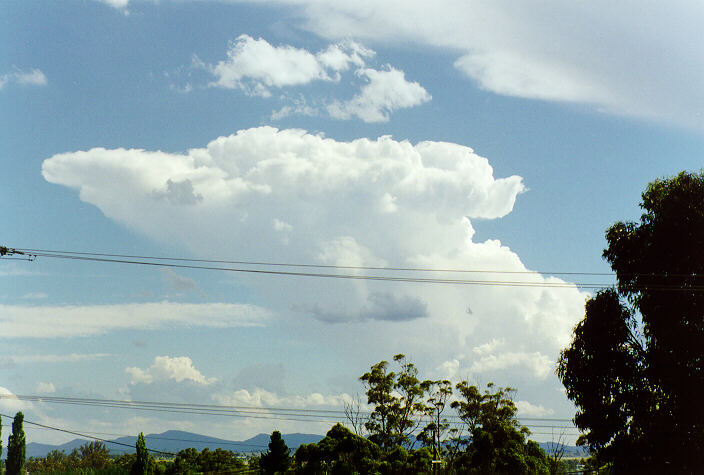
x: 308, y: 415
x: 253, y: 412
x: 317, y: 266
x: 171, y: 263
x: 327, y: 275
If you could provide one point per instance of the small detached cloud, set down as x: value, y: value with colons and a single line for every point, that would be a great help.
x: 45, y: 388
x: 165, y: 368
x: 384, y: 92
x: 537, y: 363
x: 117, y: 4
x: 256, y: 67
x: 526, y: 409
x: 23, y: 78
x: 179, y: 284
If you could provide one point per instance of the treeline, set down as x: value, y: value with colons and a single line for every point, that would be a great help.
x: 404, y: 427
x: 95, y: 458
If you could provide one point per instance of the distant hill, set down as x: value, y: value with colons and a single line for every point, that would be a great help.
x: 174, y: 440
x: 570, y: 450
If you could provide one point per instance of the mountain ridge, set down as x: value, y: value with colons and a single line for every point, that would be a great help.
x: 172, y: 441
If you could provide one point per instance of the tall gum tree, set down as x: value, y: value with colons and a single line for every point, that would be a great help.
x: 635, y: 368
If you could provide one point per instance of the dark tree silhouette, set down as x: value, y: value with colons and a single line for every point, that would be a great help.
x: 16, y: 447
x: 278, y: 457
x: 635, y: 369
x: 141, y: 463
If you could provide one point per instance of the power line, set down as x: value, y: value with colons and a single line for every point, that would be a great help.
x: 337, y: 276
x: 156, y: 262
x: 253, y: 412
x: 333, y: 276
x: 316, y: 266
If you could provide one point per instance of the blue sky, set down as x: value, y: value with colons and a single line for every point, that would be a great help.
x: 477, y: 135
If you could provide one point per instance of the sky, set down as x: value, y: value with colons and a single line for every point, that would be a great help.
x: 471, y: 136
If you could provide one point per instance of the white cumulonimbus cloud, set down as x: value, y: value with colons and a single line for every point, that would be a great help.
x: 289, y: 196
x: 70, y: 321
x: 257, y: 67
x: 165, y: 368
x: 23, y: 78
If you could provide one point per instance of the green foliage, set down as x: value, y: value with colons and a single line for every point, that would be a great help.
x: 124, y: 462
x: 398, y: 401
x: 141, y: 462
x: 90, y: 458
x: 16, y: 447
x: 343, y: 452
x: 635, y: 368
x: 253, y: 462
x: 95, y: 455
x: 340, y: 451
x: 94, y: 459
x: 191, y: 461
x: 497, y: 442
x: 278, y: 457
x: 433, y: 434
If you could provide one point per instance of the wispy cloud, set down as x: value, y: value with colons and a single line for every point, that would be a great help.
x: 72, y: 321
x: 619, y: 58
x: 48, y: 358
x: 34, y: 296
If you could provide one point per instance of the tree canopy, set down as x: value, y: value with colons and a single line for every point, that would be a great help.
x: 497, y: 441
x: 278, y: 457
x: 141, y: 463
x: 397, y: 398
x: 635, y: 368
